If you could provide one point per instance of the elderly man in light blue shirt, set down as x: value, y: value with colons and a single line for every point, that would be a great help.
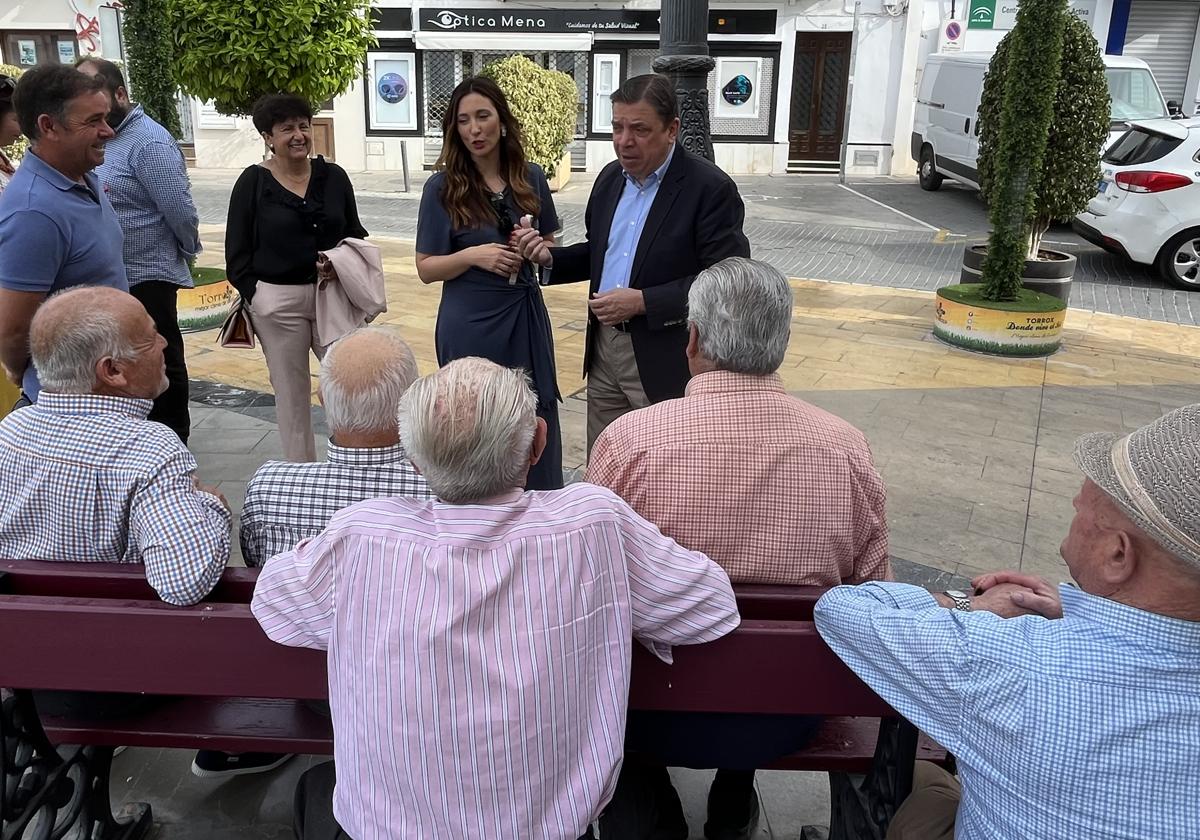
x: 57, y: 227
x: 146, y: 178
x: 1080, y: 717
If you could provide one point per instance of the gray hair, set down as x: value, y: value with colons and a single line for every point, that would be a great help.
x: 68, y: 338
x: 469, y: 428
x: 363, y: 376
x: 742, y: 309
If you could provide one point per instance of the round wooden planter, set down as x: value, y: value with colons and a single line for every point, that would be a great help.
x: 1050, y: 275
x: 1029, y: 326
x: 206, y: 306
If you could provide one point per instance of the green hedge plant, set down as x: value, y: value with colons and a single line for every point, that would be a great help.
x: 17, y: 150
x: 151, y: 50
x: 234, y: 52
x: 1043, y: 120
x: 544, y: 102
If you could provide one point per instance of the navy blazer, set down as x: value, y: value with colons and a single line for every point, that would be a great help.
x: 694, y: 222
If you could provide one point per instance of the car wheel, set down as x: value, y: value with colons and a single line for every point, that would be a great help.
x: 1179, y: 260
x: 929, y: 177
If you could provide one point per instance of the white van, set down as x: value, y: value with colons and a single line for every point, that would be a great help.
x: 945, y: 139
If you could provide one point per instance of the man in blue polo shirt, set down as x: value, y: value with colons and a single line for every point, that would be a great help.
x: 57, y: 227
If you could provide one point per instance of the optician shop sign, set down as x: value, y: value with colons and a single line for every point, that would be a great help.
x: 600, y: 21
x: 537, y: 20
x: 1002, y: 14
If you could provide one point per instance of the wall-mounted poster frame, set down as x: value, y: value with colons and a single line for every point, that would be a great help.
x: 732, y: 106
x: 392, y: 92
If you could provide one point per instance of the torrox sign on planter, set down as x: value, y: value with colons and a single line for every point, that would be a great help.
x: 1002, y: 14
x: 504, y: 19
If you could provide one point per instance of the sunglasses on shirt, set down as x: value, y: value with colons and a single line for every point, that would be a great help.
x: 504, y: 220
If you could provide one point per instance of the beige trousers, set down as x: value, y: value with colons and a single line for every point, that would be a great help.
x: 284, y: 322
x: 930, y: 810
x: 614, y: 386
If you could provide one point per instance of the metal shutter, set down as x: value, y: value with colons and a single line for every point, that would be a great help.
x: 1161, y: 33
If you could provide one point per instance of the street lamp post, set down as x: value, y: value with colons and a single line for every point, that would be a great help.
x: 683, y: 48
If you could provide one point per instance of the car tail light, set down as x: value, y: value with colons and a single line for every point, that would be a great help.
x: 1151, y: 182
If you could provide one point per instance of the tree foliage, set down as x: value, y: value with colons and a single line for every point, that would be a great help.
x: 544, y: 102
x: 234, y: 52
x: 17, y: 150
x: 151, y: 50
x: 1043, y: 119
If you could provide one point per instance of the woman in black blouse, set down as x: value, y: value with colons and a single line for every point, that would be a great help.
x: 281, y: 213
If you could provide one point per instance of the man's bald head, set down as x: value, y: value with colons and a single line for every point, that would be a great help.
x: 363, y: 377
x: 75, y: 331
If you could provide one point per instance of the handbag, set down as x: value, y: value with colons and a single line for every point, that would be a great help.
x: 238, y: 329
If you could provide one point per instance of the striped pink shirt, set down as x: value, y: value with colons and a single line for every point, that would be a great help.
x: 479, y: 654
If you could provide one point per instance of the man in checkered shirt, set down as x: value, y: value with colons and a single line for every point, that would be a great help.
x: 772, y: 488
x: 146, y: 179
x: 363, y: 376
x: 1073, y: 710
x: 84, y: 475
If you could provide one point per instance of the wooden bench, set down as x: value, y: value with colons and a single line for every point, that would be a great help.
x: 98, y: 627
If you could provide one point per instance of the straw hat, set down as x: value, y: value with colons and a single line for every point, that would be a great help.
x: 1153, y: 474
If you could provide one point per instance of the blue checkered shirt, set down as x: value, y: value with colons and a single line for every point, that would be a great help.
x: 146, y: 179
x: 1083, y: 727
x: 288, y: 502
x: 89, y: 479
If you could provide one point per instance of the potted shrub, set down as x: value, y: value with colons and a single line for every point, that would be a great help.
x: 545, y: 102
x: 1043, y: 120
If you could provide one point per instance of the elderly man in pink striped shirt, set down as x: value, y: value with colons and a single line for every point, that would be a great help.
x: 479, y: 644
x: 774, y: 489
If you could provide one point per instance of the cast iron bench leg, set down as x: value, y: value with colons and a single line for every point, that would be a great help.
x: 862, y: 807
x: 38, y: 785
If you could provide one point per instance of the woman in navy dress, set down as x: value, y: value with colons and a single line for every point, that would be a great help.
x: 491, y: 301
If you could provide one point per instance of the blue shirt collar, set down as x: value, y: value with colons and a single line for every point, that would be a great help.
x: 1129, y: 621
x: 56, y: 403
x: 54, y: 177
x: 135, y: 113
x: 657, y: 175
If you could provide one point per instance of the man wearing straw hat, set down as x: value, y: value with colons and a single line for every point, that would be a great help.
x: 1080, y: 716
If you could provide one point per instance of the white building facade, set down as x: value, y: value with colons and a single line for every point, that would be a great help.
x: 799, y: 85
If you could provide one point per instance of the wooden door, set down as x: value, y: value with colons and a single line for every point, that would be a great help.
x: 819, y: 80
x: 322, y: 133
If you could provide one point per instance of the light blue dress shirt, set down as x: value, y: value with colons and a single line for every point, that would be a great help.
x: 147, y: 182
x: 1086, y: 726
x: 627, y: 224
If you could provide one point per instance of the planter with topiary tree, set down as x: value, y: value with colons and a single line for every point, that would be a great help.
x: 1043, y: 120
x: 17, y: 150
x: 545, y: 103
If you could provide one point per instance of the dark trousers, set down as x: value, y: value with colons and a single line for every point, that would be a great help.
x: 313, y: 816
x: 171, y: 407
x: 645, y: 805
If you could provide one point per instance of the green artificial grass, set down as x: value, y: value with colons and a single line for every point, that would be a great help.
x: 995, y: 348
x: 207, y: 276
x: 971, y: 294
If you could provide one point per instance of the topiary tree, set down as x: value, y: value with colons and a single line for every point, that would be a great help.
x: 151, y: 50
x: 17, y: 150
x: 234, y: 52
x: 545, y: 102
x: 1043, y: 118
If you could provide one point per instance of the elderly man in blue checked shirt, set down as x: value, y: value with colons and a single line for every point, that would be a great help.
x: 84, y: 476
x: 1079, y: 718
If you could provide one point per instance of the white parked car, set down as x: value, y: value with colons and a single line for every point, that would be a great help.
x: 945, y: 138
x: 1148, y: 205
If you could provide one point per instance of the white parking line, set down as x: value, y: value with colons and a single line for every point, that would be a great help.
x: 889, y: 207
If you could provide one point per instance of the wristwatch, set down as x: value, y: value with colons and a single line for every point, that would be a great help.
x: 962, y: 601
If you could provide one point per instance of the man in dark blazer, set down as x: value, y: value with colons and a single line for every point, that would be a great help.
x: 657, y: 216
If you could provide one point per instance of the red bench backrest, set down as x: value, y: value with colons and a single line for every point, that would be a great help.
x: 130, y: 641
